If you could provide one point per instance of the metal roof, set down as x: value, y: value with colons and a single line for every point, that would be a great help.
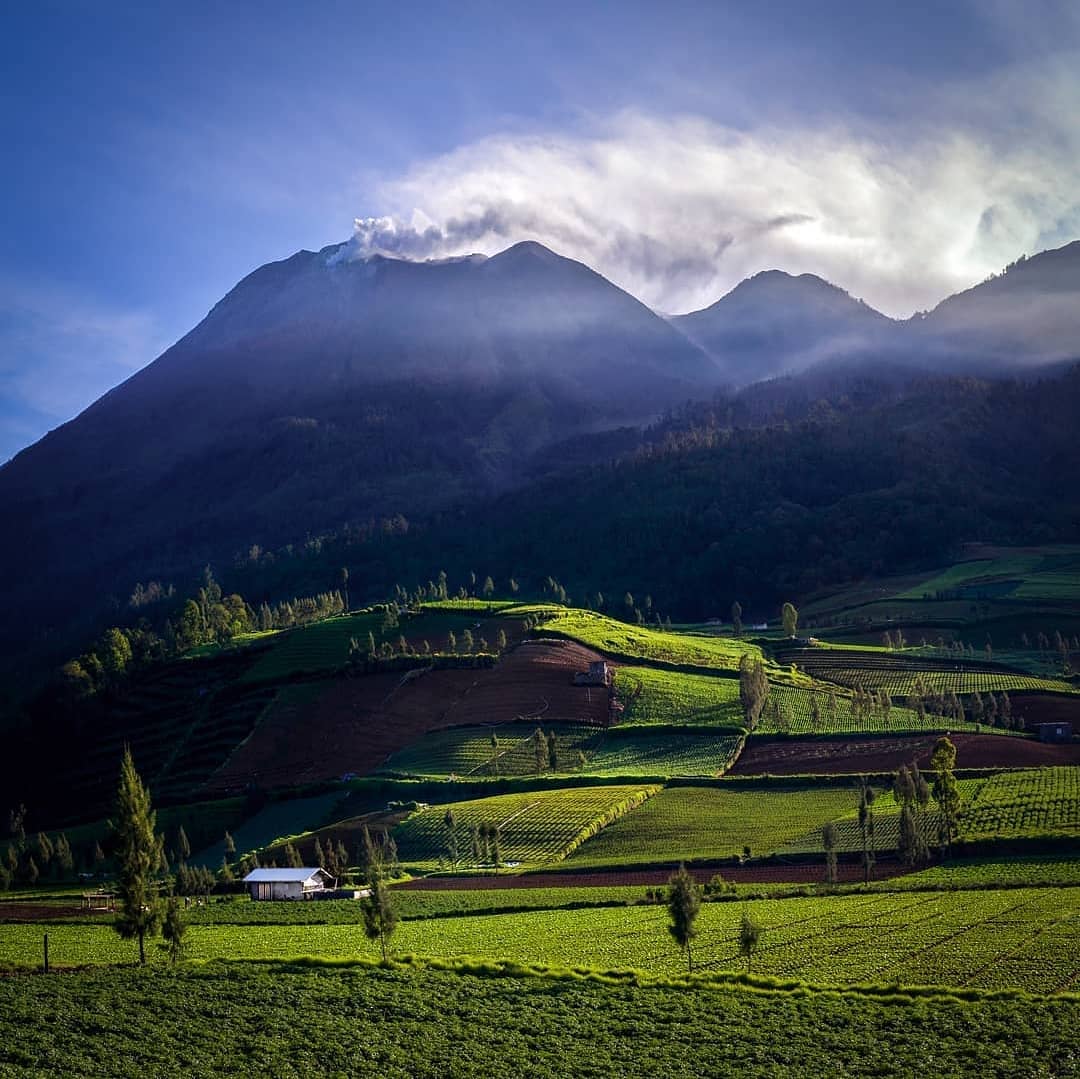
x: 282, y: 876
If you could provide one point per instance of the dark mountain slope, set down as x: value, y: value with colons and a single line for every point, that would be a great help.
x: 773, y: 323
x: 321, y: 391
x: 1028, y: 315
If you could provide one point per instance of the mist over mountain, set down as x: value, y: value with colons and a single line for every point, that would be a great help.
x: 325, y: 391
x: 774, y: 323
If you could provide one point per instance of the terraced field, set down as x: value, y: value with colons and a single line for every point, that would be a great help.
x: 1043, y: 801
x: 1018, y: 938
x: 621, y: 640
x: 468, y: 751
x: 650, y: 695
x: 536, y: 828
x: 701, y: 823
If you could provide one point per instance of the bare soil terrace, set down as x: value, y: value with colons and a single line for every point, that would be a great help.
x: 854, y: 755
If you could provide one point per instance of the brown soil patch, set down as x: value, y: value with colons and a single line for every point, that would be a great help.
x: 48, y: 912
x: 355, y: 724
x: 1046, y: 708
x: 840, y: 756
x: 650, y: 878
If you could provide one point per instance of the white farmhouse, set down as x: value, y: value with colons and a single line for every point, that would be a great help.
x: 303, y: 883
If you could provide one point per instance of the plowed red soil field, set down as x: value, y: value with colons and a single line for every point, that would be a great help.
x: 354, y: 724
x: 838, y: 756
x: 649, y: 878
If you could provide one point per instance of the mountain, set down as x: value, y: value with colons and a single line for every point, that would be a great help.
x: 376, y: 395
x: 324, y: 390
x: 774, y: 323
x: 1026, y: 316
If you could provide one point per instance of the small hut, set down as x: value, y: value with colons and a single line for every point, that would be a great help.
x: 303, y: 883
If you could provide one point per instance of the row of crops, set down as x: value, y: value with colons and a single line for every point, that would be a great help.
x: 516, y: 750
x: 1024, y: 938
x: 535, y: 828
x: 712, y: 823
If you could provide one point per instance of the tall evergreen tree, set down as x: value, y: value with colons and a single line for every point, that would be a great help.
x: 173, y: 929
x: 137, y: 857
x: 828, y: 841
x: 684, y: 905
x: 380, y: 915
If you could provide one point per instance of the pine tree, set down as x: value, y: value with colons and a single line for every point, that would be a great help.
x: 173, y: 929
x: 230, y: 844
x: 380, y: 917
x: 684, y: 904
x: 539, y: 750
x: 790, y: 617
x: 750, y: 934
x: 183, y: 846
x: 736, y: 618
x: 553, y: 751
x: 137, y: 856
x: 945, y: 791
x: 828, y: 841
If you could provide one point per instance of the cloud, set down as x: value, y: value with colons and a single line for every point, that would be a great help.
x: 678, y: 210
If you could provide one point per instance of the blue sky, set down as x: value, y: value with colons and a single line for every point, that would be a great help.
x: 154, y: 157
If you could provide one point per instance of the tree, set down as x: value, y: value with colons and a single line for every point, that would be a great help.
x: 684, y: 904
x: 736, y: 618
x: 790, y: 617
x: 753, y: 689
x: 540, y: 752
x: 750, y: 934
x: 494, y: 754
x: 501, y: 640
x: 467, y: 640
x: 173, y: 929
x: 867, y: 797
x: 945, y: 791
x: 451, y: 642
x: 137, y: 856
x: 452, y: 853
x: 488, y: 588
x: 183, y: 845
x: 828, y: 841
x: 230, y: 844
x: 553, y: 751
x: 380, y: 917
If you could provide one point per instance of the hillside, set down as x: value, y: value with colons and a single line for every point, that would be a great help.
x: 773, y: 324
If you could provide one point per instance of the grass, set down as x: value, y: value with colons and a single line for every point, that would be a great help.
x: 651, y: 695
x: 467, y: 751
x: 537, y: 827
x: 619, y: 639
x: 707, y: 823
x: 306, y: 1020
x: 317, y: 647
x: 288, y: 817
x: 1014, y: 938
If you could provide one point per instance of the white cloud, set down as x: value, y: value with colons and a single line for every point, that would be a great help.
x: 679, y: 210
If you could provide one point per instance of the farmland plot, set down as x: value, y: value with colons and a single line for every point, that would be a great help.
x: 1018, y: 938
x: 685, y: 823
x: 536, y: 827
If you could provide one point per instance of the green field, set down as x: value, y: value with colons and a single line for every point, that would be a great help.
x: 650, y: 695
x: 685, y: 823
x: 621, y: 639
x: 318, y: 647
x: 292, y: 1019
x: 468, y: 751
x: 1015, y: 938
x: 1042, y: 801
x: 536, y: 827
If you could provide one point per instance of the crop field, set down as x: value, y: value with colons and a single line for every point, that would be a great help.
x: 699, y: 823
x: 845, y: 756
x: 905, y: 683
x: 1048, y: 573
x: 320, y: 646
x: 469, y: 752
x: 1042, y: 801
x: 1034, y: 871
x: 494, y: 1022
x: 620, y: 639
x: 794, y: 714
x: 650, y: 695
x: 536, y: 827
x: 1013, y: 938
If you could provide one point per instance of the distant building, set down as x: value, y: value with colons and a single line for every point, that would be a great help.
x: 1054, y: 732
x: 304, y: 883
x: 598, y: 674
